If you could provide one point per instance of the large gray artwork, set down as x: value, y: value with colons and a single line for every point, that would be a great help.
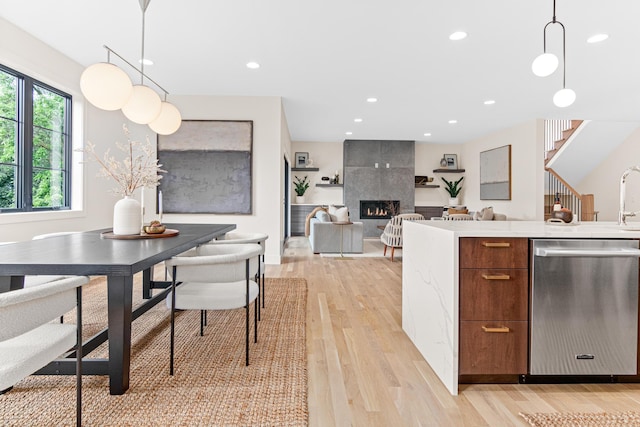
x: 495, y: 174
x: 208, y: 164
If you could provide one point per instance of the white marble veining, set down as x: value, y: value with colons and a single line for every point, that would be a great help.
x: 430, y: 288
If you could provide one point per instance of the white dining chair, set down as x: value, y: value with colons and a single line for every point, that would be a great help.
x: 29, y: 339
x: 214, y: 277
x: 236, y: 237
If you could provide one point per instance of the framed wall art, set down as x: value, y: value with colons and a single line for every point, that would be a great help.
x: 301, y: 160
x: 451, y: 161
x: 495, y: 174
x: 208, y: 164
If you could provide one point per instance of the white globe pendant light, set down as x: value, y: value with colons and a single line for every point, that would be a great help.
x: 106, y: 86
x: 168, y: 121
x: 545, y: 65
x: 564, y: 97
x: 143, y: 105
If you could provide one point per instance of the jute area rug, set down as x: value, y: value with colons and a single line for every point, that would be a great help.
x: 211, y: 385
x: 586, y: 419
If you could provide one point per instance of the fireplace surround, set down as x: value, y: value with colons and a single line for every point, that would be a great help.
x: 379, y: 209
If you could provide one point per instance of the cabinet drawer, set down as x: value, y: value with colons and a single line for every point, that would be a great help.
x: 494, y: 294
x: 493, y: 348
x: 494, y: 252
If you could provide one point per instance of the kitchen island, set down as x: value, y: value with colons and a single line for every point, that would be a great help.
x: 431, y: 280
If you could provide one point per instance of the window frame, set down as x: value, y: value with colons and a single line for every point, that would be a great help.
x: 24, y: 141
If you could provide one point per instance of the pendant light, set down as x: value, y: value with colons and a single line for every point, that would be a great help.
x: 547, y: 63
x: 108, y: 87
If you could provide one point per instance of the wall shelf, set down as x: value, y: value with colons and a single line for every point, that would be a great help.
x: 427, y: 186
x: 305, y: 169
x: 448, y: 170
x: 329, y: 185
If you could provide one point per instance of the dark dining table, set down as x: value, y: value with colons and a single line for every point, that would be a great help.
x: 91, y: 253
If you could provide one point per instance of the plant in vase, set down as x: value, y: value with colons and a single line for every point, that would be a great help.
x: 301, y: 186
x: 453, y: 188
x: 138, y: 168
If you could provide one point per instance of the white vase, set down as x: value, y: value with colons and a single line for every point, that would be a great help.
x: 299, y: 200
x: 454, y: 201
x: 127, y: 218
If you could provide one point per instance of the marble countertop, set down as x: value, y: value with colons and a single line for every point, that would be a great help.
x: 537, y: 229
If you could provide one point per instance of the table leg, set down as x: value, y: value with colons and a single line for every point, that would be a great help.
x: 120, y: 294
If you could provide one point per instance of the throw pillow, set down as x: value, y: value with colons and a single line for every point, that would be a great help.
x: 323, y: 216
x: 338, y: 214
x: 487, y: 214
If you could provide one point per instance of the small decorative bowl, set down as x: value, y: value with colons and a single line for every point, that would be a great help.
x: 154, y: 229
x: 566, y: 216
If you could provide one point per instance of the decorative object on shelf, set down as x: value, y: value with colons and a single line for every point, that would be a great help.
x: 301, y: 186
x: 453, y: 188
x: 443, y: 162
x: 423, y: 180
x: 546, y: 64
x: 495, y: 174
x: 301, y: 159
x: 108, y: 87
x: 325, y: 178
x: 309, y: 163
x: 335, y: 179
x: 451, y: 160
x: 138, y: 169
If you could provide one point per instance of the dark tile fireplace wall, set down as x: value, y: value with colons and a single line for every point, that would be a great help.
x: 364, y: 181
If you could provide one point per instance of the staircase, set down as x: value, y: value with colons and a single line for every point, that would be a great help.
x: 557, y: 133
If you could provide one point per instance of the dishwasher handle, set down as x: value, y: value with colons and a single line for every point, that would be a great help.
x: 586, y: 252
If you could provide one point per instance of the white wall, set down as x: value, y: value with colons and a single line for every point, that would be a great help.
x: 604, y: 181
x: 327, y: 156
x: 527, y: 171
x: 268, y: 157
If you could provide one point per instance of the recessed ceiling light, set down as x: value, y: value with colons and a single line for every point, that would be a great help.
x: 458, y: 35
x: 253, y: 65
x: 489, y: 102
x: 146, y: 61
x: 357, y: 120
x: 427, y: 134
x: 348, y: 133
x: 453, y: 122
x: 372, y: 100
x: 597, y: 38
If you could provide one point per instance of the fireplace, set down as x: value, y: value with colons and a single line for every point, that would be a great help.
x: 378, y: 209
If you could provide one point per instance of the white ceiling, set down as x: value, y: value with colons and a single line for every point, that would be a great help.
x: 324, y: 58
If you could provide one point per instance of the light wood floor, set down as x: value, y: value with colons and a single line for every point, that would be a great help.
x: 364, y: 371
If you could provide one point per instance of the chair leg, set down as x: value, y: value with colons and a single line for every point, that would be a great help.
x: 246, y: 312
x: 384, y: 253
x: 202, y: 321
x: 256, y: 303
x: 262, y: 282
x: 393, y: 248
x: 79, y: 357
x: 173, y: 311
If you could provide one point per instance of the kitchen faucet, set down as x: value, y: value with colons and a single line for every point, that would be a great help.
x: 622, y: 214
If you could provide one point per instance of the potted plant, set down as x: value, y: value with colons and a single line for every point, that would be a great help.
x: 301, y: 186
x: 453, y: 188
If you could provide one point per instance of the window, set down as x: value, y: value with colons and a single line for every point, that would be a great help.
x: 35, y: 145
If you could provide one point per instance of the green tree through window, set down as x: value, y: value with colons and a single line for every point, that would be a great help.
x: 35, y: 144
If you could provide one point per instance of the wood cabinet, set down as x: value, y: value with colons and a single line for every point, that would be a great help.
x: 494, y: 292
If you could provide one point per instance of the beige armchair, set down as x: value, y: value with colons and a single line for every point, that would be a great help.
x: 392, y: 234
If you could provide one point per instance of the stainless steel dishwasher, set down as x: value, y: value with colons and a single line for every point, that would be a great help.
x: 584, y: 307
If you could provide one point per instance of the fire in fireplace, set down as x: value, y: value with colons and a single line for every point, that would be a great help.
x: 379, y: 209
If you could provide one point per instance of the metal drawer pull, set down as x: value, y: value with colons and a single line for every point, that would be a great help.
x: 496, y: 277
x: 496, y: 244
x: 500, y: 330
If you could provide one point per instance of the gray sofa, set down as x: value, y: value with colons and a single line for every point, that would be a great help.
x: 325, y: 236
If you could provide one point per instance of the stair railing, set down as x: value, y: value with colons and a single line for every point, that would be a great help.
x: 553, y: 132
x: 582, y: 205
